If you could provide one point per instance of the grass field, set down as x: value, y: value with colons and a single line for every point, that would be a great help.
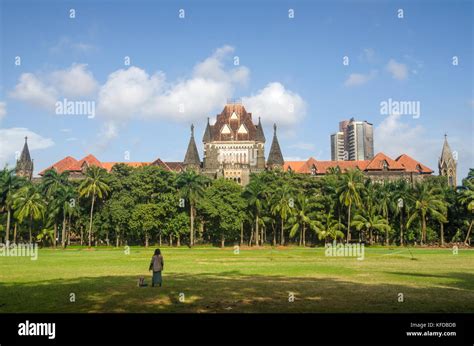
x: 255, y: 280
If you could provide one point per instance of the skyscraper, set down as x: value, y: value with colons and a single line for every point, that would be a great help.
x: 357, y: 138
x: 337, y: 146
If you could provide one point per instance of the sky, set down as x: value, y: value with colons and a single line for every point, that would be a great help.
x: 152, y: 68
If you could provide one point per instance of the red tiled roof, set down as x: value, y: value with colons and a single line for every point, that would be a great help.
x: 402, y: 163
x: 295, y: 166
x: 62, y: 165
x: 411, y: 165
x: 224, y: 118
x: 175, y: 166
x: 71, y: 164
x: 377, y: 163
x: 90, y: 160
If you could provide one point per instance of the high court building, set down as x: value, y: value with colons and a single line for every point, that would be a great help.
x: 234, y: 148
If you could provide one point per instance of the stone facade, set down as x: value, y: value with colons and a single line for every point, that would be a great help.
x: 447, y: 165
x: 24, y: 165
x: 234, y: 147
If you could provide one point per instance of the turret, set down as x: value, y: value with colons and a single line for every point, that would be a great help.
x: 24, y: 165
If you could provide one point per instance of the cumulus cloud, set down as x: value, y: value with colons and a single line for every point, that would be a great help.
x: 394, y: 137
x: 32, y: 90
x: 275, y: 103
x: 75, y: 81
x: 398, y: 70
x: 12, y: 139
x: 356, y: 79
x: 133, y: 92
x: 44, y: 90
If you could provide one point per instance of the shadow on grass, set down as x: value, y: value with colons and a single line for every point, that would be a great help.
x: 232, y: 291
x: 454, y: 280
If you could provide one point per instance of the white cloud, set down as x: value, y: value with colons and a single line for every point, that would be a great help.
x: 398, y: 70
x: 275, y: 104
x: 66, y: 44
x: 76, y: 81
x: 356, y: 79
x: 3, y: 109
x: 133, y: 92
x: 395, y: 137
x: 32, y: 90
x: 12, y: 140
x: 44, y: 90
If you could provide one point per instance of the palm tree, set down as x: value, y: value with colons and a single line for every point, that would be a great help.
x: 53, y: 184
x: 427, y: 201
x: 191, y: 186
x: 401, y: 196
x: 385, y: 203
x: 94, y: 185
x: 9, y: 185
x: 253, y: 194
x: 29, y: 203
x: 283, y: 205
x: 328, y: 227
x: 302, y: 217
x: 369, y: 221
x: 53, y: 181
x: 349, y: 194
x: 66, y: 198
x: 466, y: 198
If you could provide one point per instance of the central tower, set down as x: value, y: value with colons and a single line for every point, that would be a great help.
x: 234, y: 146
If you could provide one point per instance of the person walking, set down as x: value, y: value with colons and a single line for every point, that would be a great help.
x: 157, y: 265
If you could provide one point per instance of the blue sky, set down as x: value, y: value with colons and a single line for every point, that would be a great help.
x: 283, y: 62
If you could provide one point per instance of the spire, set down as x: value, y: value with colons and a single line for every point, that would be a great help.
x: 260, y: 137
x: 192, y: 155
x: 207, y: 134
x: 25, y: 153
x: 24, y: 165
x: 447, y: 164
x: 446, y: 153
x: 275, y: 157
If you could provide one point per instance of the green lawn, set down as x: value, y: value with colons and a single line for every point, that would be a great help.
x: 256, y: 280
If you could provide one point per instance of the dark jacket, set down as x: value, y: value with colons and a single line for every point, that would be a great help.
x: 157, y: 263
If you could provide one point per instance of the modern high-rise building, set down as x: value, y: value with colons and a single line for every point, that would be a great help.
x: 357, y: 138
x: 337, y: 146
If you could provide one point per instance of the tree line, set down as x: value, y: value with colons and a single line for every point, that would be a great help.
x: 139, y: 206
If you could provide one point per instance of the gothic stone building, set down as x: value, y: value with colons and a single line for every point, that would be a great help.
x: 24, y: 165
x: 234, y: 147
x: 447, y: 164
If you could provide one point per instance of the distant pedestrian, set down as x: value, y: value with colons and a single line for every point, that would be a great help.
x: 157, y: 265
